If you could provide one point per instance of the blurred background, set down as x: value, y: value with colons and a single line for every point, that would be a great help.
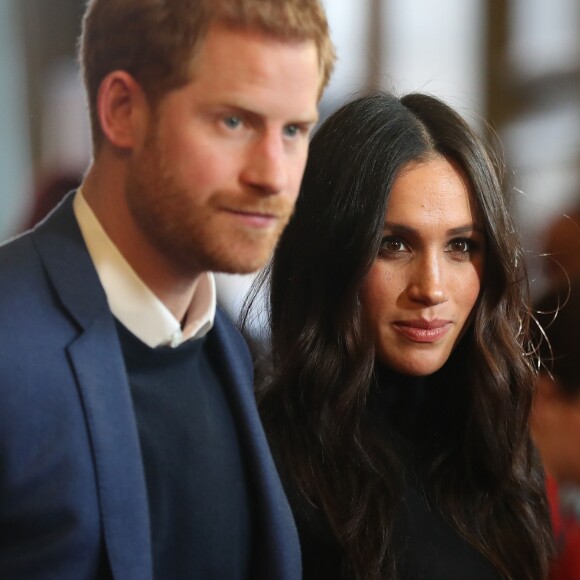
x: 511, y: 67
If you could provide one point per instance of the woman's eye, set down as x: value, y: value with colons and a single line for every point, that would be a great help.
x: 463, y: 247
x: 460, y: 246
x: 393, y: 245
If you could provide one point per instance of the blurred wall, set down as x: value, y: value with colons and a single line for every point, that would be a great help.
x: 542, y: 135
x: 43, y: 124
x: 438, y: 47
x: 15, y: 161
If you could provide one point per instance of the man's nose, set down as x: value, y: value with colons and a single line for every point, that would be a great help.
x: 266, y: 168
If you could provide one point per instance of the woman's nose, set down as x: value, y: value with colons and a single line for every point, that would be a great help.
x: 427, y: 285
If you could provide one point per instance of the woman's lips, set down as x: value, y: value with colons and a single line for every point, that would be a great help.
x: 423, y: 330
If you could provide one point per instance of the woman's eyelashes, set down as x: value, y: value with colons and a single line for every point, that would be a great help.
x: 463, y: 248
x: 460, y: 247
x: 392, y: 245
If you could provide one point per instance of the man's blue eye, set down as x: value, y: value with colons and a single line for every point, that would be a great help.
x: 291, y: 130
x: 233, y: 122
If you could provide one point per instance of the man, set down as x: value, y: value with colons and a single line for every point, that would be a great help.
x: 130, y: 445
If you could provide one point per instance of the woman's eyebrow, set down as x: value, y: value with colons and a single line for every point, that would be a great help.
x: 399, y: 228
x: 467, y: 229
x: 459, y: 230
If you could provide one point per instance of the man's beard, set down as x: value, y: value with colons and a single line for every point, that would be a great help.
x: 190, y: 233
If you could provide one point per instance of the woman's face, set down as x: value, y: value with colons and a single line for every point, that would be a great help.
x: 418, y: 296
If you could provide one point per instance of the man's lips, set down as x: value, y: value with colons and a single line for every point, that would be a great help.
x: 422, y: 330
x: 255, y: 218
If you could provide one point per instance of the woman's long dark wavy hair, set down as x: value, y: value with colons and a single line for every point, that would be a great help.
x: 485, y: 479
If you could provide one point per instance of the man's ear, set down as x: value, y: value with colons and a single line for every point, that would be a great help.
x: 122, y: 108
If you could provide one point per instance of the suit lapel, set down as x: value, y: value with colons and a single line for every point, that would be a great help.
x: 278, y: 555
x: 100, y: 372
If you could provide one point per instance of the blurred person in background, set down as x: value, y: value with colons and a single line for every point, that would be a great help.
x: 400, y: 385
x: 556, y: 420
x: 130, y: 443
x: 49, y: 193
x: 561, y: 242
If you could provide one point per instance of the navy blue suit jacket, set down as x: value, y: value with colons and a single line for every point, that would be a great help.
x: 73, y: 502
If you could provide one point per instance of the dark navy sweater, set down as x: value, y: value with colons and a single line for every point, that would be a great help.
x: 199, y: 500
x: 427, y: 547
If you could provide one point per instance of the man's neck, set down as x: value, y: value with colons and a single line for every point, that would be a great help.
x: 105, y: 196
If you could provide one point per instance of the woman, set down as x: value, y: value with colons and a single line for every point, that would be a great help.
x: 398, y: 403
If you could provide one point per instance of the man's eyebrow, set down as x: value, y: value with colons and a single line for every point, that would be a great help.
x: 310, y: 118
x: 245, y: 110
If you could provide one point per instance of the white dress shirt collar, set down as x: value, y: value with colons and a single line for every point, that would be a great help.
x: 131, y: 301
